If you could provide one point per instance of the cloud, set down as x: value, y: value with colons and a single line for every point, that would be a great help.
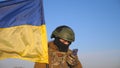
x: 15, y: 63
x: 101, y: 59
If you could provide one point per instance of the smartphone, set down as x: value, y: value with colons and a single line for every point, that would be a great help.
x: 75, y: 52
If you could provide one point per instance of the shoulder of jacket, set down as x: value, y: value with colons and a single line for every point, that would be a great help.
x: 52, y: 46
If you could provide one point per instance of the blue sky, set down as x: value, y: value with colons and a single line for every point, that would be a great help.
x: 96, y: 24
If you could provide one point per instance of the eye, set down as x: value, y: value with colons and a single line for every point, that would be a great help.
x: 64, y: 41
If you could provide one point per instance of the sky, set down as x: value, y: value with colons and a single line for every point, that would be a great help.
x: 96, y: 24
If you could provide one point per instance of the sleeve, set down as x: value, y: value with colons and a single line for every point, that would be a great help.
x: 40, y: 65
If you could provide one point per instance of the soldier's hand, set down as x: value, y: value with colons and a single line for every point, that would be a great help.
x: 72, y: 60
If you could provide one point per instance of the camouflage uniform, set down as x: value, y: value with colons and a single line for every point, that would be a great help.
x: 57, y: 59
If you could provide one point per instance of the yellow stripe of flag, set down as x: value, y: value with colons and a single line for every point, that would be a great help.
x: 23, y: 31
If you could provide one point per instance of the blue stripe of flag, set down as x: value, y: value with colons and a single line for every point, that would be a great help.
x: 21, y: 12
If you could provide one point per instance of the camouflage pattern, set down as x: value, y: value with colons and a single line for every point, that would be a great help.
x: 64, y: 32
x: 57, y: 59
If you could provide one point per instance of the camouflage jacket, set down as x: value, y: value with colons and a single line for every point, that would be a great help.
x: 57, y: 59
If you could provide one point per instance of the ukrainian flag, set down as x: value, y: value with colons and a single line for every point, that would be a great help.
x: 23, y: 30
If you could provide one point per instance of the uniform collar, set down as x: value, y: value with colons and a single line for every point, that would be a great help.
x: 52, y: 46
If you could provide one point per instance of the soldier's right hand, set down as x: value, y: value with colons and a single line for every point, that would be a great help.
x: 72, y: 60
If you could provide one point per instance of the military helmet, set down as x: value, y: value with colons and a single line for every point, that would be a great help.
x: 64, y: 32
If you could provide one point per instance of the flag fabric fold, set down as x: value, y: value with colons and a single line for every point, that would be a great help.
x: 23, y: 31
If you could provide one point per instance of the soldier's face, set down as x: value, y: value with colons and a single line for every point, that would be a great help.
x: 62, y: 44
x: 64, y: 41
